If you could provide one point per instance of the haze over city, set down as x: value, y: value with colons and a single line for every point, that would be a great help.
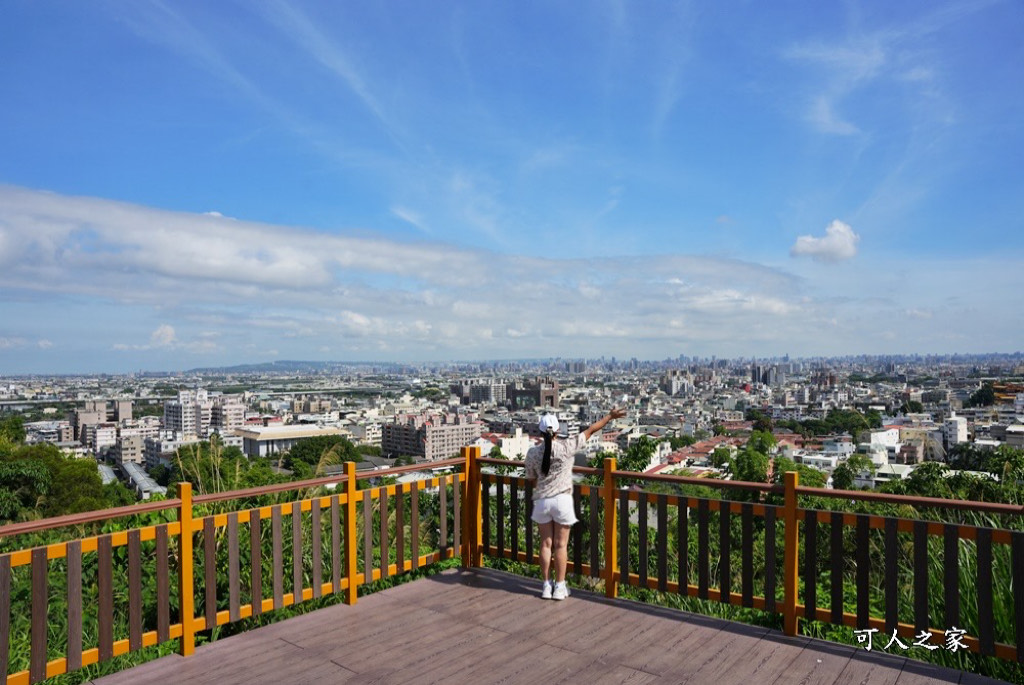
x: 196, y: 185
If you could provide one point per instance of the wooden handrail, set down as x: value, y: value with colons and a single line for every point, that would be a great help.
x: 914, y: 501
x: 318, y: 482
x: 87, y: 517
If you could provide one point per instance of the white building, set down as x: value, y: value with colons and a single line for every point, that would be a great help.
x: 190, y: 415
x: 266, y: 441
x: 954, y: 430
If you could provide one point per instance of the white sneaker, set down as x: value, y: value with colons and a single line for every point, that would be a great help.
x: 561, y: 591
x: 545, y: 592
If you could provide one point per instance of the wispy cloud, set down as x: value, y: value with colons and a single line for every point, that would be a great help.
x: 411, y: 217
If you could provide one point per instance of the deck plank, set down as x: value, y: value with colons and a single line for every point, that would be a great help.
x: 485, y: 626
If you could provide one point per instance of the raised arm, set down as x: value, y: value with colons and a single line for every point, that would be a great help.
x: 615, y: 413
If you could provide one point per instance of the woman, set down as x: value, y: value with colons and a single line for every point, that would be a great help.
x: 550, y: 467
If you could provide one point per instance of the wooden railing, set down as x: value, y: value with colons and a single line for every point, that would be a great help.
x: 221, y: 558
x: 231, y: 565
x: 813, y: 564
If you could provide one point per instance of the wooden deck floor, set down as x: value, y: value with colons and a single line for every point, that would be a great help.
x: 489, y: 627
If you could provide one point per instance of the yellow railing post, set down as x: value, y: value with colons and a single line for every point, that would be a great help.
x: 792, y: 554
x: 476, y: 531
x: 611, y: 543
x: 351, y: 536
x: 467, y: 509
x: 186, y: 587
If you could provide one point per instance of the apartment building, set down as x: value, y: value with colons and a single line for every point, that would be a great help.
x: 435, y: 436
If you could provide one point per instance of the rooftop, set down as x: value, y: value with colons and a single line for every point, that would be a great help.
x: 485, y: 626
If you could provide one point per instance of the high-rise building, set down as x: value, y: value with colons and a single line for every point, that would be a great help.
x: 432, y: 436
x: 190, y: 415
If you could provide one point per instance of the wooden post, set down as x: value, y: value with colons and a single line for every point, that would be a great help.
x: 351, y: 538
x: 792, y: 554
x: 467, y: 509
x: 611, y: 543
x: 186, y: 588
x: 476, y: 534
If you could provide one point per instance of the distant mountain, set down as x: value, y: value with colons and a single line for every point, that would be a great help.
x: 286, y: 366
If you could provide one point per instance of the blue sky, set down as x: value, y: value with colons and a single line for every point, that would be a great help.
x: 191, y: 183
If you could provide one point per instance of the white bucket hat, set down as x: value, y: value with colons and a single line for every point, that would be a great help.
x: 548, y: 422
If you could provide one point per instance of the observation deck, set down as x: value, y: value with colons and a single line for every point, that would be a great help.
x: 925, y: 574
x: 487, y: 626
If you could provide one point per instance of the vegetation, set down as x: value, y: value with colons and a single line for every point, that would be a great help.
x: 985, y: 396
x: 39, y: 481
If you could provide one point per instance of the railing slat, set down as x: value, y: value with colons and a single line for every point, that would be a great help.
x: 443, y: 514
x: 457, y: 512
x: 74, y: 652
x: 414, y: 528
x: 836, y: 554
x: 163, y: 587
x: 277, y: 572
x: 641, y: 522
x: 234, y: 601
x: 105, y: 581
x: 595, y: 533
x: 336, y: 543
x: 5, y: 612
x: 747, y: 546
x: 210, y: 571
x: 863, y: 567
x: 985, y: 619
x: 1017, y: 559
x: 385, y: 553
x: 683, y: 544
x: 40, y: 605
x: 770, y: 586
x: 297, y: 552
x: 951, y: 573
x: 400, y: 529
x: 317, y: 542
x: 892, y: 609
x: 530, y: 557
x: 725, y: 545
x: 661, y: 543
x: 703, y: 551
x: 500, y: 517
x: 623, y: 536
x: 134, y: 590
x: 811, y: 564
x: 577, y: 533
x: 485, y: 509
x: 921, y: 621
x: 367, y: 537
x: 255, y: 563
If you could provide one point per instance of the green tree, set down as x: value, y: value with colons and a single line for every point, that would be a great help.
x: 761, y: 441
x: 23, y: 485
x: 985, y: 396
x: 750, y: 465
x: 912, y: 407
x: 721, y: 457
x: 12, y: 429
x: 637, y: 456
x: 842, y: 477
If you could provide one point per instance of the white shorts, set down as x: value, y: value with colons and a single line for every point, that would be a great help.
x: 558, y: 509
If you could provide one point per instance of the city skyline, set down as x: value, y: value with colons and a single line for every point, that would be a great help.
x: 207, y: 185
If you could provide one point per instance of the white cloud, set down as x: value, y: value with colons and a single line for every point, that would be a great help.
x: 241, y: 288
x: 838, y: 243
x: 44, y: 344
x: 163, y: 336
